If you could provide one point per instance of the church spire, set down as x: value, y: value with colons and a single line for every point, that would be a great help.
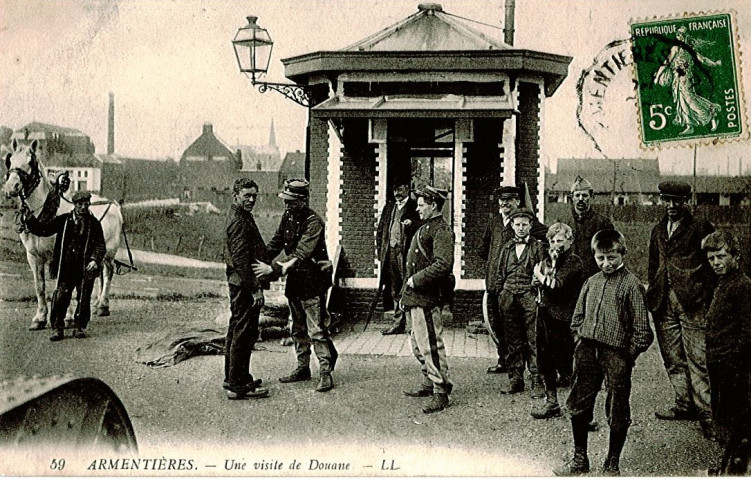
x: 272, y: 135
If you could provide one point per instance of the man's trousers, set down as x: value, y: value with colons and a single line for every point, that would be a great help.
x: 242, y: 335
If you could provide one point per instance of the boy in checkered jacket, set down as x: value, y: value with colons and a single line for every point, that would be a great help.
x: 611, y: 328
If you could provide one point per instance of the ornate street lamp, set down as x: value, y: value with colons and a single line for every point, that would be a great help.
x: 253, y: 46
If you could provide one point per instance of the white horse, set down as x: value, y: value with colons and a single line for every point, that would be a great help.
x: 27, y: 179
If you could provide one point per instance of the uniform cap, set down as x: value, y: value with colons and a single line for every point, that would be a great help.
x: 433, y: 193
x: 295, y: 189
x: 79, y: 197
x: 508, y: 192
x: 674, y: 189
x: 581, y: 183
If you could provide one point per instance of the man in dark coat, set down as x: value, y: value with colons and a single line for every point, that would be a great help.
x: 584, y: 222
x: 399, y: 222
x: 300, y: 239
x: 497, y: 233
x: 678, y: 284
x: 243, y: 248
x: 729, y: 352
x: 77, y: 259
x: 430, y: 261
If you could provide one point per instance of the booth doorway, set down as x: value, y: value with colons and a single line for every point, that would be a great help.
x: 422, y: 152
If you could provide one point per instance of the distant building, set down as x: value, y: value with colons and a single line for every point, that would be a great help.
x: 718, y: 190
x: 620, y: 181
x: 265, y: 158
x: 293, y: 166
x: 207, y: 168
x: 53, y: 139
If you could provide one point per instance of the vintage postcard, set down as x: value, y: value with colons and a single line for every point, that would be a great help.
x: 362, y: 238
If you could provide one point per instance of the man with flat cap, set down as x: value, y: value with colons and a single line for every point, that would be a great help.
x: 584, y: 222
x: 678, y: 283
x: 430, y: 261
x: 497, y: 233
x: 399, y: 222
x: 77, y: 260
x: 300, y: 239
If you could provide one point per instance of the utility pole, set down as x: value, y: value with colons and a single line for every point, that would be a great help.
x: 693, y: 187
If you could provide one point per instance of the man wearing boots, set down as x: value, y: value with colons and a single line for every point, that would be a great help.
x: 679, y: 280
x: 430, y: 261
x: 300, y: 240
x: 77, y: 259
x: 559, y: 280
x: 516, y: 302
x: 399, y: 222
x: 497, y: 232
x: 611, y: 329
x: 244, y: 246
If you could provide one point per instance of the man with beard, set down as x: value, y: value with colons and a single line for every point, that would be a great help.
x: 678, y: 284
x: 497, y: 233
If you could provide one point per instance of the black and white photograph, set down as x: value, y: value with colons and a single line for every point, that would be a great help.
x: 375, y: 238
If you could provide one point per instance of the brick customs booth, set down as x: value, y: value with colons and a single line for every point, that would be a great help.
x: 433, y: 100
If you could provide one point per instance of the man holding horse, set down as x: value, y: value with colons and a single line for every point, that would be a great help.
x: 77, y: 259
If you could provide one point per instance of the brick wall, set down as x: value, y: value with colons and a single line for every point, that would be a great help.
x: 528, y: 138
x: 319, y: 165
x: 483, y: 177
x: 357, y: 201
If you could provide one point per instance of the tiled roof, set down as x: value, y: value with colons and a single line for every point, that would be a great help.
x: 630, y: 174
x: 76, y: 160
x: 294, y: 162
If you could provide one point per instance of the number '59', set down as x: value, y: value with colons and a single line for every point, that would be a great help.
x: 658, y: 119
x: 57, y: 464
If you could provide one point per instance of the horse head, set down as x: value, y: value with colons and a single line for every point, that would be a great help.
x: 23, y: 172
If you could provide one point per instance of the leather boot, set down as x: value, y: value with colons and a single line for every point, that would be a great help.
x: 439, y: 402
x: 325, y: 384
x: 579, y: 465
x: 423, y: 391
x: 537, y: 390
x: 550, y: 409
x: 58, y: 335
x: 515, y: 384
x: 610, y: 468
x: 300, y: 374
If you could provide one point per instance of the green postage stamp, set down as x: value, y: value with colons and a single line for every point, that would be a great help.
x: 688, y: 79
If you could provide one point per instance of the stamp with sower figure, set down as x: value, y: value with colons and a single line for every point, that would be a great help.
x: 688, y: 80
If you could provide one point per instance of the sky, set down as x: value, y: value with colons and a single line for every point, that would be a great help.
x: 171, y: 67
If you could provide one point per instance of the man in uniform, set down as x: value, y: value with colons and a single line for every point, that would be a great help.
x: 399, y: 222
x: 244, y: 247
x: 497, y: 233
x: 678, y: 283
x: 430, y: 261
x: 585, y: 222
x: 77, y: 259
x: 300, y: 240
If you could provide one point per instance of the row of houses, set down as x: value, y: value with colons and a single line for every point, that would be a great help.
x: 634, y: 181
x: 204, y: 172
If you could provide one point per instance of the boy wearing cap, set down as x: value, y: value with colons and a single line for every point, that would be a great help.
x: 77, y: 259
x: 729, y: 351
x: 611, y: 329
x: 497, y: 233
x: 301, y: 241
x: 516, y: 302
x: 678, y: 284
x: 430, y: 261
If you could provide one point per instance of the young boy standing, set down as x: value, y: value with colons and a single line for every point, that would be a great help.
x: 729, y: 351
x: 610, y: 328
x: 559, y: 280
